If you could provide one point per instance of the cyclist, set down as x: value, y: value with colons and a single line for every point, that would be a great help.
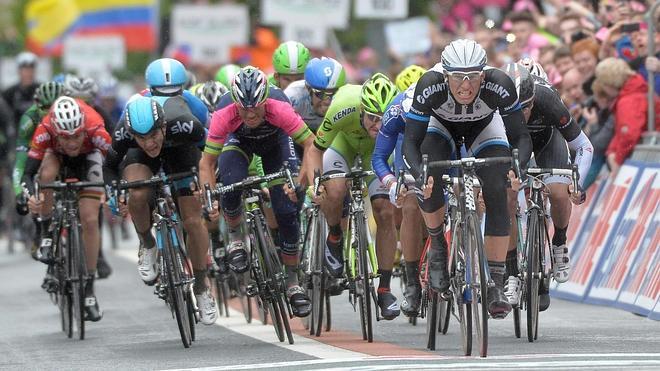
x: 390, y: 137
x: 70, y: 137
x: 551, y: 128
x: 209, y: 93
x: 85, y: 89
x: 289, y: 61
x: 466, y: 98
x: 162, y: 132
x: 257, y: 119
x: 226, y: 73
x: 44, y: 97
x: 349, y: 129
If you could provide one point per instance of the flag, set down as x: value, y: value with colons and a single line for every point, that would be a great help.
x: 49, y: 22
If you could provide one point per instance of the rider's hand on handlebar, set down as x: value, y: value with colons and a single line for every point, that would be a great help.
x: 516, y: 184
x: 577, y: 198
x: 290, y: 192
x: 426, y: 190
x: 214, y: 213
x: 35, y: 205
x: 397, y: 200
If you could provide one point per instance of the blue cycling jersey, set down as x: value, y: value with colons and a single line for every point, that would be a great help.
x: 391, y: 132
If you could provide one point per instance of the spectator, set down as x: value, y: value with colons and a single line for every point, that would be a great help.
x: 563, y: 60
x: 628, y: 91
x: 639, y: 41
x: 598, y: 126
x: 528, y: 42
x: 572, y: 93
x: 20, y: 96
x: 585, y: 56
x: 569, y: 24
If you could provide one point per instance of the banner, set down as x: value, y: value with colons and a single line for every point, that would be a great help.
x: 630, y: 240
x: 89, y: 55
x: 209, y: 30
x: 408, y: 37
x: 586, y: 251
x: 381, y: 9
x: 315, y: 13
x: 310, y: 36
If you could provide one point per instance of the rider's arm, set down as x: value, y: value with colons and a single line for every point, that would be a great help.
x: 197, y: 107
x: 40, y: 144
x: 25, y: 130
x: 218, y: 130
x: 386, y: 140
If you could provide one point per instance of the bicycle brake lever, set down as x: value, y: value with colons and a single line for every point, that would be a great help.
x: 425, y: 170
x: 399, y: 181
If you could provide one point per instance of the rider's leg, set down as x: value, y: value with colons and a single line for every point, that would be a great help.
x: 561, y: 213
x: 512, y: 282
x: 89, y: 204
x: 383, y: 211
x: 332, y: 205
x: 411, y: 242
x: 48, y: 172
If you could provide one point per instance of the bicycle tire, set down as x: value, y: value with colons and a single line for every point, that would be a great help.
x: 364, y: 301
x: 64, y: 300
x: 222, y: 291
x: 282, y: 302
x: 533, y: 246
x: 516, y: 321
x: 479, y: 283
x: 444, y: 314
x: 318, y: 275
x: 176, y: 291
x: 431, y: 320
x: 77, y: 278
x: 328, y: 313
x: 245, y: 300
x: 461, y: 293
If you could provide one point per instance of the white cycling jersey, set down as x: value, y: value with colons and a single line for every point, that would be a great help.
x: 302, y: 103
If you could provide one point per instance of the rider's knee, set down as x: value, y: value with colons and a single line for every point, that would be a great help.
x: 410, y: 208
x: 383, y: 211
x: 139, y: 197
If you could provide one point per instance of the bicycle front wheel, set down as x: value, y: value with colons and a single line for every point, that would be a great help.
x: 363, y: 284
x: 77, y: 268
x: 534, y: 242
x: 479, y: 283
x: 318, y: 279
x: 461, y: 292
x: 177, y: 293
x: 431, y: 318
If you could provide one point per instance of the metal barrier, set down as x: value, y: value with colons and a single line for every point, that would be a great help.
x: 651, y: 22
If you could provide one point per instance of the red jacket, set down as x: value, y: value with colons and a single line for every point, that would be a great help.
x: 630, y: 112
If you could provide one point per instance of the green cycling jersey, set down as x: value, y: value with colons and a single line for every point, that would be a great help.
x: 26, y: 127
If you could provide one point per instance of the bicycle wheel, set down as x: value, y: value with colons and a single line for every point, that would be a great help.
x: 284, y: 310
x: 328, y: 313
x: 77, y: 278
x: 245, y: 300
x: 175, y: 278
x: 318, y: 278
x: 431, y: 319
x: 363, y: 282
x: 461, y: 293
x: 534, y: 242
x: 222, y: 295
x: 479, y: 283
x: 516, y: 321
x: 444, y: 313
x: 64, y: 301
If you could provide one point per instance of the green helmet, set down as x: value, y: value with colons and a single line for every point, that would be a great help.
x: 226, y: 73
x: 46, y: 94
x: 377, y: 93
x: 290, y: 58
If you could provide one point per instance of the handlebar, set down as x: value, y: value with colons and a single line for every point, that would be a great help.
x: 572, y: 172
x: 253, y: 181
x: 353, y: 175
x: 157, y: 180
x: 57, y: 186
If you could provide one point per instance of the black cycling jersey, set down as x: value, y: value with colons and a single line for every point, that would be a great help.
x: 548, y: 112
x: 182, y: 128
x: 434, y: 99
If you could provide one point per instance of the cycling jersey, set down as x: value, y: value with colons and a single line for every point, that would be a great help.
x: 549, y: 114
x: 26, y: 127
x: 302, y: 102
x: 280, y: 116
x: 181, y: 129
x: 196, y: 106
x: 391, y: 134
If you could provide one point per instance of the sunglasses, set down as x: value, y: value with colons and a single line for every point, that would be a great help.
x: 462, y: 76
x: 373, y: 116
x: 323, y: 94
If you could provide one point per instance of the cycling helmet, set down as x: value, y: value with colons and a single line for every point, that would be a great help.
x: 165, y: 72
x: 191, y: 80
x: 534, y: 67
x: 325, y: 73
x: 80, y: 87
x: 210, y: 93
x: 408, y: 76
x: 377, y: 93
x: 143, y: 115
x: 463, y: 55
x: 46, y: 94
x: 290, y: 58
x: 26, y: 59
x: 66, y: 116
x: 249, y: 87
x: 108, y: 87
x: 524, y: 81
x: 226, y: 73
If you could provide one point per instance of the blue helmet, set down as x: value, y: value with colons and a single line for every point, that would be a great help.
x: 325, y: 73
x: 165, y: 72
x: 143, y: 115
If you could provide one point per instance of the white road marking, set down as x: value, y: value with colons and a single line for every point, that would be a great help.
x: 236, y: 322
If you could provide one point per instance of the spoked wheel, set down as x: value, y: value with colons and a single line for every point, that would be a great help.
x: 479, y: 283
x: 222, y: 294
x: 431, y: 319
x: 462, y: 301
x: 77, y: 277
x: 363, y: 284
x: 192, y: 318
x: 533, y: 273
x: 516, y: 321
x: 444, y: 313
x: 177, y: 293
x: 328, y: 313
x: 246, y: 301
x: 317, y: 291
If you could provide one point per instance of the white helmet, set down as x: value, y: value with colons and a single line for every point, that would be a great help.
x: 463, y: 55
x: 80, y: 87
x: 26, y: 59
x: 66, y: 116
x: 534, y: 67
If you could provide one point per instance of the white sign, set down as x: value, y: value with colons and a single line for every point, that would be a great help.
x: 94, y: 54
x: 317, y: 13
x: 310, y: 36
x: 210, y: 30
x: 407, y: 37
x: 381, y: 9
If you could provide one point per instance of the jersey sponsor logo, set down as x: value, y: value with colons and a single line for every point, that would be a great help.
x: 428, y: 91
x: 345, y: 112
x: 42, y: 138
x: 183, y: 127
x: 497, y: 89
x: 394, y: 110
x: 337, y: 165
x: 100, y: 143
x: 122, y: 134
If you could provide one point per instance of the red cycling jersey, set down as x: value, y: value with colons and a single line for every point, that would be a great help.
x: 96, y: 137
